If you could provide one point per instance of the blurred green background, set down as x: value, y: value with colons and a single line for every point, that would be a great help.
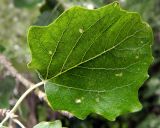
x: 15, y: 18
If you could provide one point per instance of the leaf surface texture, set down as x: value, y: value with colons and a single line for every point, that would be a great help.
x: 93, y: 61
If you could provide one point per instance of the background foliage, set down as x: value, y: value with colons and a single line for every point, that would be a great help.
x: 15, y: 18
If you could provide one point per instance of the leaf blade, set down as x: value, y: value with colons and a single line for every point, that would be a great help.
x: 95, y: 73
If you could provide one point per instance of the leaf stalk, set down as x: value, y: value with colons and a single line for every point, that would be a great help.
x: 13, y: 110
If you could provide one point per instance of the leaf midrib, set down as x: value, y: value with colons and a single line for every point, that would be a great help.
x: 77, y: 41
x: 98, y: 55
x: 51, y: 59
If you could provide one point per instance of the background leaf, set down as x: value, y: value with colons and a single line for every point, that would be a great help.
x: 93, y: 65
x: 7, y: 85
x: 2, y: 48
x: 55, y: 124
x: 26, y: 3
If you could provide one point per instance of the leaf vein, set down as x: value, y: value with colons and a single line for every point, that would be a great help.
x: 81, y: 37
x: 51, y: 59
x: 92, y: 90
x: 97, y: 54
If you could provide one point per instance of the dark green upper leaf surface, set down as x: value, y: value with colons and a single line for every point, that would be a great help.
x: 93, y: 61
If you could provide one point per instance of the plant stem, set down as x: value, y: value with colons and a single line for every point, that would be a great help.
x: 13, y: 110
x: 19, y: 123
x: 13, y: 72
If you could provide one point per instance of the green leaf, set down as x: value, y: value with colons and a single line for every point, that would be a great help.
x: 93, y: 61
x: 55, y: 124
x: 3, y: 127
x: 151, y: 121
x: 2, y: 48
x: 7, y: 85
x: 26, y: 3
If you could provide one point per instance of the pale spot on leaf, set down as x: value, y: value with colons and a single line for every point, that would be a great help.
x: 137, y: 57
x: 119, y: 74
x: 97, y: 99
x: 50, y: 52
x: 78, y: 101
x: 81, y: 30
